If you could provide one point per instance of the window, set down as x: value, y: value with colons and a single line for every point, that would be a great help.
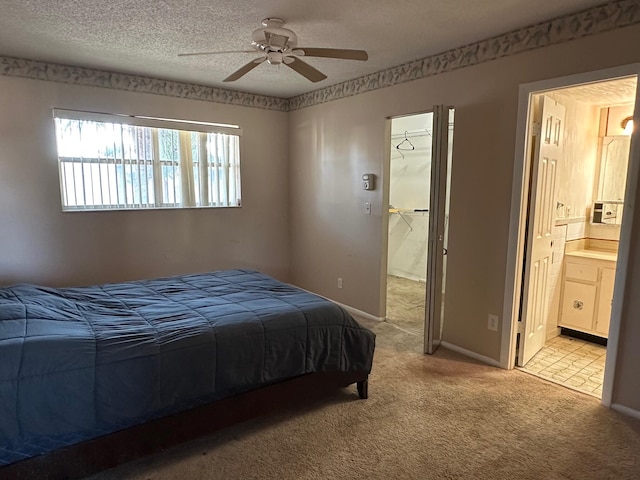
x: 117, y: 162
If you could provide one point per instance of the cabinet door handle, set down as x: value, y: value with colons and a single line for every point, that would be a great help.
x: 578, y: 304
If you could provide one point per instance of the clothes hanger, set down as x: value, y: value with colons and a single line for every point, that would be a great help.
x: 406, y: 140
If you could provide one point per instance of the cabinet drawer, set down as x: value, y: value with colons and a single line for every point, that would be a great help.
x: 581, y: 271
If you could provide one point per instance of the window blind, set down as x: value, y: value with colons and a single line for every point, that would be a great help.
x: 112, y: 162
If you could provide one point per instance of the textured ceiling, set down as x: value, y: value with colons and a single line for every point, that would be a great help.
x: 145, y: 36
x: 609, y: 93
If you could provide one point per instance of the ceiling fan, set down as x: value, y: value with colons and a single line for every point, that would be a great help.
x: 279, y: 45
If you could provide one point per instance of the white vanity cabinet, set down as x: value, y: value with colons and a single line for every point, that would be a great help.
x: 587, y: 291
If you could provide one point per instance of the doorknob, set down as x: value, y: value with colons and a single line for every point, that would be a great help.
x: 444, y: 251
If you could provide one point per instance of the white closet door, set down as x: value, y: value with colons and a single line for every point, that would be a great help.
x: 437, y: 227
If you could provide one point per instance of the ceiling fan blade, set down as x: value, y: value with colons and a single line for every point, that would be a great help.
x: 214, y: 53
x: 244, y: 70
x: 305, y: 69
x: 341, y: 53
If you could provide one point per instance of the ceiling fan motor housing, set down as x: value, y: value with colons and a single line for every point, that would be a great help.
x: 273, y: 37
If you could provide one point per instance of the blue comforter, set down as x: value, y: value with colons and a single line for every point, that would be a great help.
x: 76, y: 363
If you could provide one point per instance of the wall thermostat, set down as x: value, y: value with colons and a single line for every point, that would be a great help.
x: 368, y: 181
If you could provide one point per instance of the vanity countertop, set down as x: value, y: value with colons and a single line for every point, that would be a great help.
x: 594, y: 254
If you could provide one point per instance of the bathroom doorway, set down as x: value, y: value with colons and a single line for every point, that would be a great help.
x: 416, y: 237
x: 579, y: 148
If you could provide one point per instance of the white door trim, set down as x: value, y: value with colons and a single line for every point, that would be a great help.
x: 517, y: 231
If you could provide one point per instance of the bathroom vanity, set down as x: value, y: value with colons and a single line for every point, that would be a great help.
x: 587, y: 288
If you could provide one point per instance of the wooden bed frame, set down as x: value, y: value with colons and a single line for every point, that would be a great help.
x: 92, y: 456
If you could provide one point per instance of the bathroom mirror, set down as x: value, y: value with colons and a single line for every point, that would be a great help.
x: 612, y: 178
x: 613, y: 167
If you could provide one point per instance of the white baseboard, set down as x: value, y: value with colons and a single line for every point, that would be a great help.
x: 469, y: 353
x: 351, y: 310
x: 407, y: 275
x: 551, y: 334
x: 360, y: 313
x: 625, y: 410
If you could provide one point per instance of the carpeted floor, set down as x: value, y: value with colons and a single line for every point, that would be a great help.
x: 427, y: 417
x: 405, y: 304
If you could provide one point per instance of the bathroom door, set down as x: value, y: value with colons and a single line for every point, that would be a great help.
x: 535, y: 301
x: 441, y: 156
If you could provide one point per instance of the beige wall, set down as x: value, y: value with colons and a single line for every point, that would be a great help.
x: 39, y: 243
x: 332, y: 144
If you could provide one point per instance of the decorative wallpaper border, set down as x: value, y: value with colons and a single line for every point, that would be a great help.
x: 562, y: 29
x: 19, y: 67
x: 592, y: 21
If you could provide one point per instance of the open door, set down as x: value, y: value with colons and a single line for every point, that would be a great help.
x: 535, y: 300
x: 438, y: 224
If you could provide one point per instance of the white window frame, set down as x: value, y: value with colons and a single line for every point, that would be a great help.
x: 220, y: 174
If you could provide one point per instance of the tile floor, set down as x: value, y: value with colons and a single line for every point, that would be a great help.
x: 571, y: 362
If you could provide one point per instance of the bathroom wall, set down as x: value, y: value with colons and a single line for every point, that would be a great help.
x: 577, y: 170
x: 603, y: 232
x: 409, y: 190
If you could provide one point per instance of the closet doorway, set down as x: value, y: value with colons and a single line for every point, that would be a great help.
x: 417, y: 222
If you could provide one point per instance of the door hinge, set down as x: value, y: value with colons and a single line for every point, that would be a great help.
x: 520, y: 327
x: 536, y: 129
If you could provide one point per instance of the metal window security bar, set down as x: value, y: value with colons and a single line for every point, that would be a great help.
x: 115, y: 162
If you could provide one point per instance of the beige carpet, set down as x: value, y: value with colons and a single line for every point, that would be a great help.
x: 427, y: 417
x: 405, y: 304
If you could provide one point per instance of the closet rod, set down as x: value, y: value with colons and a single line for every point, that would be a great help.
x: 413, y: 133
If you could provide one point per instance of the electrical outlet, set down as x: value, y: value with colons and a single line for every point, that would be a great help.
x: 493, y: 322
x: 339, y: 282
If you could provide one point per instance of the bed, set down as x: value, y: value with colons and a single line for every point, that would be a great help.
x: 78, y: 364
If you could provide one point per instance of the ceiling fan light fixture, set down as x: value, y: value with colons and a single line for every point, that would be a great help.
x: 274, y: 58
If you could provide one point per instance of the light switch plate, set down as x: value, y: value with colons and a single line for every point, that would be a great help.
x: 493, y: 322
